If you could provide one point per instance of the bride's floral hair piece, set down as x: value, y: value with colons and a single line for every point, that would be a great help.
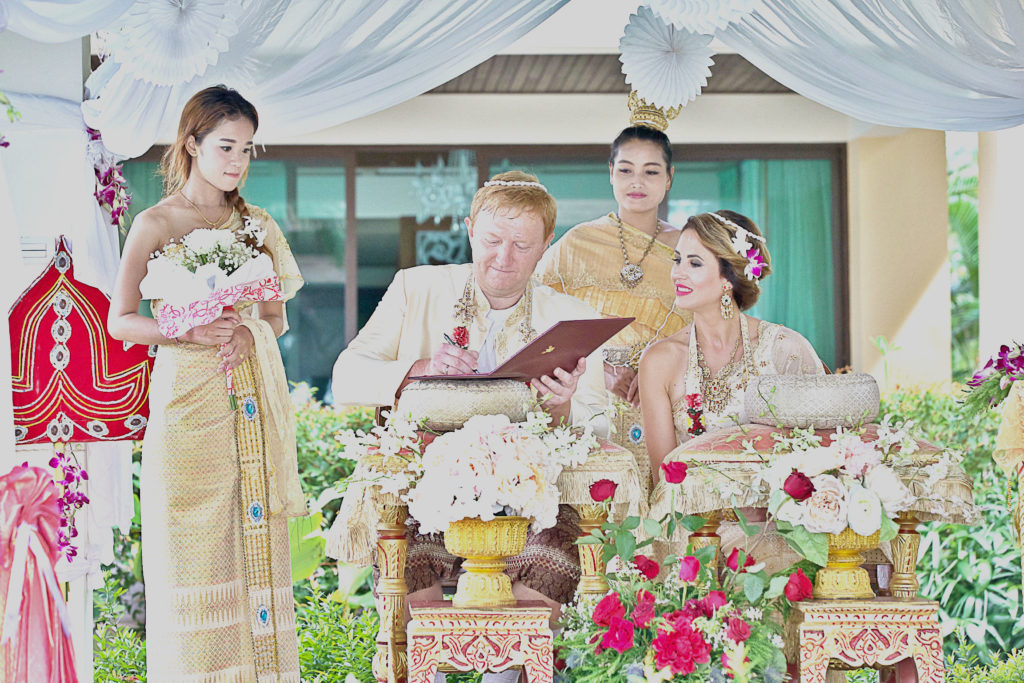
x: 741, y: 245
x: 516, y: 192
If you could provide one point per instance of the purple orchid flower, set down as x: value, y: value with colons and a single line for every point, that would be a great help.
x: 755, y: 264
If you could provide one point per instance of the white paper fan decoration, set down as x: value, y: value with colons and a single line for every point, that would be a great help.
x: 667, y: 67
x: 702, y: 16
x: 168, y: 42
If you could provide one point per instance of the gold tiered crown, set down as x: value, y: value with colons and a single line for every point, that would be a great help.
x: 641, y: 113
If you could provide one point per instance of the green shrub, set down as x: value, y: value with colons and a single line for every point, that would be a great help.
x: 334, y: 642
x: 119, y: 652
x: 973, y: 571
x: 963, y: 666
x: 322, y: 463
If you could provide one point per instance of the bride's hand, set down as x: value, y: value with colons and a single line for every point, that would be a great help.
x: 216, y: 333
x: 622, y: 381
x: 236, y: 349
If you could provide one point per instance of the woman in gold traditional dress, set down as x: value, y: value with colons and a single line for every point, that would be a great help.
x: 218, y: 484
x: 619, y: 264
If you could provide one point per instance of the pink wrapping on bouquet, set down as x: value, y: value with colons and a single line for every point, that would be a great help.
x: 35, y: 644
x: 175, y: 321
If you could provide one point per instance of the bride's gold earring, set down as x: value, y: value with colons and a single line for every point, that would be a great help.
x: 727, y: 306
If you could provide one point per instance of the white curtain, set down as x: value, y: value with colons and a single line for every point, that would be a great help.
x: 942, y: 64
x: 305, y: 65
x: 57, y: 21
x: 50, y: 181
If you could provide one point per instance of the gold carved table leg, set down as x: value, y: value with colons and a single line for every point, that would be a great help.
x: 390, y: 660
x: 904, y: 584
x: 708, y: 535
x: 884, y: 632
x: 480, y: 639
x: 592, y: 581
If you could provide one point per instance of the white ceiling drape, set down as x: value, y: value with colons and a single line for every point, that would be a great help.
x: 57, y: 21
x: 305, y: 65
x: 941, y: 64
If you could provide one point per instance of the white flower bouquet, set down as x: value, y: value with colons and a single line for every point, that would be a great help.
x: 206, y: 271
x: 489, y: 467
x: 851, y: 483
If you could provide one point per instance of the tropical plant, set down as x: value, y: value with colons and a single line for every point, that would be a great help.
x: 963, y: 261
x: 334, y: 644
x: 974, y: 572
x: 119, y: 651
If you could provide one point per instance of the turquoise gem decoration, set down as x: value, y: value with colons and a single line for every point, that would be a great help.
x: 263, y: 615
x: 249, y: 408
x: 256, y: 512
x: 636, y: 434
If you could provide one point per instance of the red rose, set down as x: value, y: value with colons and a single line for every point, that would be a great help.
x: 609, y: 608
x: 603, y: 489
x: 648, y: 567
x: 643, y: 613
x: 675, y: 472
x: 619, y: 636
x: 734, y: 561
x: 798, y: 486
x: 694, y: 401
x: 460, y: 335
x: 681, y: 648
x: 689, y: 567
x: 713, y: 601
x: 737, y: 630
x: 798, y: 587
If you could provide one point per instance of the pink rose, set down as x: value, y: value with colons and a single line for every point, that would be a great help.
x: 619, y: 636
x: 675, y: 472
x: 643, y: 613
x: 825, y: 511
x: 737, y: 630
x: 608, y: 609
x: 603, y: 489
x: 689, y: 567
x: 733, y: 562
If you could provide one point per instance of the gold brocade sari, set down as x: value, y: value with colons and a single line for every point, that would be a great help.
x: 585, y: 263
x: 218, y: 486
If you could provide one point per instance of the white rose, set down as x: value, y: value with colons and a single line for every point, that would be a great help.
x: 792, y: 512
x: 865, y: 513
x: 892, y: 492
x: 825, y: 510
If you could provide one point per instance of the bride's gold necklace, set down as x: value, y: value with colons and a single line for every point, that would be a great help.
x: 716, y: 390
x: 212, y: 224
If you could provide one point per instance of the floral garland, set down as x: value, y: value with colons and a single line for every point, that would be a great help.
x: 111, y: 187
x: 68, y: 477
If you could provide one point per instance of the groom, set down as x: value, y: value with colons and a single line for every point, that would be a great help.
x: 511, y: 223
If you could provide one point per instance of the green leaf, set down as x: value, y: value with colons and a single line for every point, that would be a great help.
x: 607, y: 554
x: 748, y: 528
x: 306, y: 543
x: 775, y: 499
x: 889, y: 529
x: 812, y: 546
x: 776, y: 586
x: 652, y: 527
x: 630, y: 523
x: 692, y: 522
x: 705, y: 555
x: 669, y: 560
x: 350, y: 579
x: 753, y: 587
x: 625, y: 545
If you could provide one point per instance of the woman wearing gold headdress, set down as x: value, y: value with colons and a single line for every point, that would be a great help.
x: 620, y: 264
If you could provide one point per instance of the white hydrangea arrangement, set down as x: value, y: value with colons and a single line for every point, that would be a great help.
x: 489, y: 467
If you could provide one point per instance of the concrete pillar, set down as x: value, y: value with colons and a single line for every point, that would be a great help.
x: 1000, y: 174
x: 898, y: 258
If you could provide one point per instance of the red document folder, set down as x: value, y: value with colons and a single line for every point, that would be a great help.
x: 560, y: 346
